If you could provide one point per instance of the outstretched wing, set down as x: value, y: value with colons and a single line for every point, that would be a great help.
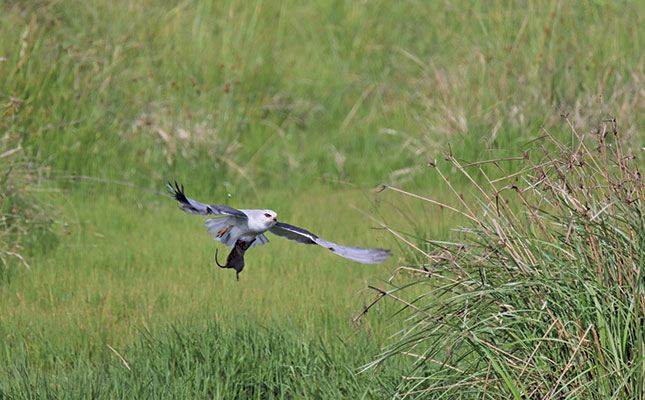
x: 366, y: 256
x: 195, y: 207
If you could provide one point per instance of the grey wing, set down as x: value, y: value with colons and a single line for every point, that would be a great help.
x: 366, y: 256
x: 195, y: 207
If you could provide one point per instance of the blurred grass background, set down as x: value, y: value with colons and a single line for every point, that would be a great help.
x: 298, y: 107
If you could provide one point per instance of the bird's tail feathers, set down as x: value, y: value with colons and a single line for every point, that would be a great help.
x: 221, y: 228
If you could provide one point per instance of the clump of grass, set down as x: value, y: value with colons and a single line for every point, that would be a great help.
x: 541, y: 296
x: 25, y: 221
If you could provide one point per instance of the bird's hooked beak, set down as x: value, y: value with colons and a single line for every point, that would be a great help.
x: 274, y: 219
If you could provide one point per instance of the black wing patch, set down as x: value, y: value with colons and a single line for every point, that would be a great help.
x: 293, y: 232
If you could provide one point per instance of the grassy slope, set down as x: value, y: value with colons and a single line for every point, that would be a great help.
x: 258, y: 93
x: 272, y: 102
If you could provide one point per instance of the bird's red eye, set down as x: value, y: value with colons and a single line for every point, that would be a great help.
x: 267, y: 215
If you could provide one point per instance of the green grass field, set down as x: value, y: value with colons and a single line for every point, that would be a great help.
x: 301, y: 107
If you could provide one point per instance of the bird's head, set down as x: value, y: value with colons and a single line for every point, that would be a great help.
x: 270, y: 217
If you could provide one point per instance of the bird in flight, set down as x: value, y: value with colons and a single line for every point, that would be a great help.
x: 243, y: 229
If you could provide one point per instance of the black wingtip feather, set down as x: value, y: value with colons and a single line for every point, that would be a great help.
x: 178, y: 192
